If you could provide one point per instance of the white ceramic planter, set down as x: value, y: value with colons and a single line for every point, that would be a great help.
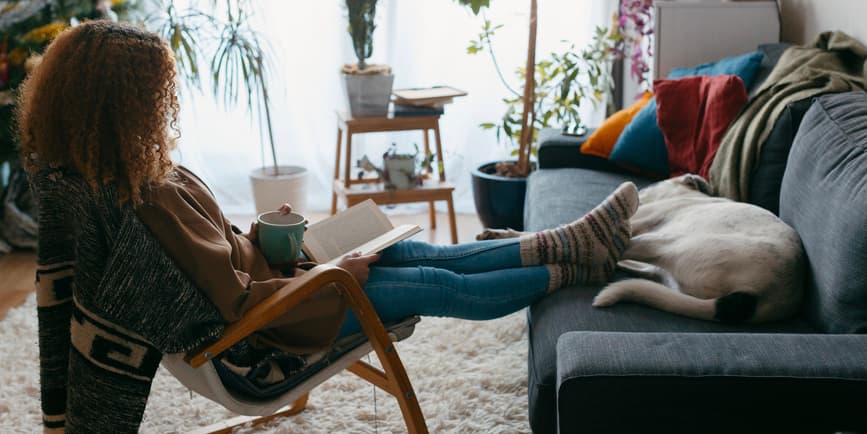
x: 270, y: 191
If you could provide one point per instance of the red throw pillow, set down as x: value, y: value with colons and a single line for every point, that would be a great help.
x: 694, y: 114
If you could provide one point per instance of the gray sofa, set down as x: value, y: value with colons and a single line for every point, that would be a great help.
x: 632, y: 369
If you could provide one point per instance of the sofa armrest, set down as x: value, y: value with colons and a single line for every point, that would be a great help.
x: 711, y: 382
x: 558, y: 150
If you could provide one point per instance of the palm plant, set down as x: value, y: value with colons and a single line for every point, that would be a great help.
x: 555, y: 87
x: 237, y: 55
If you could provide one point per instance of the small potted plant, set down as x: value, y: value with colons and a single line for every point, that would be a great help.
x: 368, y: 87
x: 399, y: 171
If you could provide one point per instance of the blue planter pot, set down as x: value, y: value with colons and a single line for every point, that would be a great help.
x: 499, y: 200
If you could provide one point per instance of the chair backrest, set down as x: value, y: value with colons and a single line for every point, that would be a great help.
x: 111, y: 303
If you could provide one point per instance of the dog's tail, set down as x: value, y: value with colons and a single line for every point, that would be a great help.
x: 734, y: 307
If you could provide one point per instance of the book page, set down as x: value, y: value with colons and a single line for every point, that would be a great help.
x: 387, y: 239
x: 345, y: 231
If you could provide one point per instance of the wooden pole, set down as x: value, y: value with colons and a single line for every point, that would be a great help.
x: 529, y: 98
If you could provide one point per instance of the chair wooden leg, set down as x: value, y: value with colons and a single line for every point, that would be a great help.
x: 404, y: 394
x: 227, y: 426
x: 392, y: 378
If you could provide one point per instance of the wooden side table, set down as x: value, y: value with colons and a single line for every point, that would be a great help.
x: 357, y: 190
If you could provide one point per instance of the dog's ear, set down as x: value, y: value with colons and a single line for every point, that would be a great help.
x: 697, y: 183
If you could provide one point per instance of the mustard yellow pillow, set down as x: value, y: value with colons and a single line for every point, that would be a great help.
x: 602, y: 141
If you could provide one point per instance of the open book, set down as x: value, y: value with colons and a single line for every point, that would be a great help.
x: 362, y: 228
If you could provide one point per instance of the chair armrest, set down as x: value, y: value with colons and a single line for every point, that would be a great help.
x: 279, y: 302
x: 557, y: 151
x: 722, y: 382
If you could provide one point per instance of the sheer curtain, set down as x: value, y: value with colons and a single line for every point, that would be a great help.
x: 424, y: 41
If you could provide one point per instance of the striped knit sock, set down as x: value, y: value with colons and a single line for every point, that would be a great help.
x: 563, y: 275
x: 594, y: 242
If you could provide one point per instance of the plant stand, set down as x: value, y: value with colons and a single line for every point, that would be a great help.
x: 357, y: 190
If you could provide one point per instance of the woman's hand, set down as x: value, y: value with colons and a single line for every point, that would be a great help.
x: 358, y: 265
x: 253, y: 235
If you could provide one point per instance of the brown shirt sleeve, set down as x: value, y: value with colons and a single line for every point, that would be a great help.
x: 184, y: 217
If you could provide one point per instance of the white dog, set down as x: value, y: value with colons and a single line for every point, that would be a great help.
x: 706, y: 257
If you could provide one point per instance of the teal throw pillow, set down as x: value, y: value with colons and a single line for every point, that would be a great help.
x: 745, y: 66
x: 641, y: 146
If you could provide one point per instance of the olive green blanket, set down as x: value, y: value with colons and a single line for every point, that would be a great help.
x: 834, y: 62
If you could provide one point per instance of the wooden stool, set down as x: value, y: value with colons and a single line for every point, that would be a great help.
x: 357, y: 190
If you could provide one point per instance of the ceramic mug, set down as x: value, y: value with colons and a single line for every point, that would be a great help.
x: 280, y: 236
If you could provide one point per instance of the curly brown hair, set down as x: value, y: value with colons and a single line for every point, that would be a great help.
x: 103, y: 103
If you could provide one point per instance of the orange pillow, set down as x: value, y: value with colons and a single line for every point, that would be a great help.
x: 602, y: 141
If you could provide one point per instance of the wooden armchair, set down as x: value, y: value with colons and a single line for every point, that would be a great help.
x: 112, y: 306
x: 192, y: 368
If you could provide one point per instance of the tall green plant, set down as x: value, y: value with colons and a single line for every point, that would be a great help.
x: 562, y: 82
x: 361, y: 14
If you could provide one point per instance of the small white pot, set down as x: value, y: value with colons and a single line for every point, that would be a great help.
x: 288, y: 186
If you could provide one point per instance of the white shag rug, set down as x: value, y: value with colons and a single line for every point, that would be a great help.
x: 470, y: 377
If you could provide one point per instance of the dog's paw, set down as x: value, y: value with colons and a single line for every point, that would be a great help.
x: 609, y: 295
x: 497, y: 234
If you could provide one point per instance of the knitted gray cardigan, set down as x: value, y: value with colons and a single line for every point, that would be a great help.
x: 110, y: 304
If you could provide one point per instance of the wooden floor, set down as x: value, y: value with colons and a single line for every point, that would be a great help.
x: 17, y: 274
x: 17, y: 270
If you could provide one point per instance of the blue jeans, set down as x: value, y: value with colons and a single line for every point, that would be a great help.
x: 477, y: 281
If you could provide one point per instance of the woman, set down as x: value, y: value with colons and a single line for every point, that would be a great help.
x: 103, y: 103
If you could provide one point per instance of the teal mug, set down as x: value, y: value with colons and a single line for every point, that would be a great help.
x: 280, y: 236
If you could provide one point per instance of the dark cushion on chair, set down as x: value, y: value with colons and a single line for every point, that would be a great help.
x: 296, y: 369
x: 824, y: 197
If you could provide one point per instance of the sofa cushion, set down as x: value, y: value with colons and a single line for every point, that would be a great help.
x: 772, y: 53
x: 767, y: 176
x: 745, y: 66
x: 711, y: 383
x: 603, y: 139
x: 694, y: 114
x: 558, y: 196
x: 641, y: 146
x: 824, y: 197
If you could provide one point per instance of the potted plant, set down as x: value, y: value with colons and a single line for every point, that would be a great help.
x: 553, y: 91
x: 368, y: 87
x: 398, y: 171
x: 238, y: 68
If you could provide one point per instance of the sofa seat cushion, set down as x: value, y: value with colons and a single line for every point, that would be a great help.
x: 570, y: 310
x: 559, y: 196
